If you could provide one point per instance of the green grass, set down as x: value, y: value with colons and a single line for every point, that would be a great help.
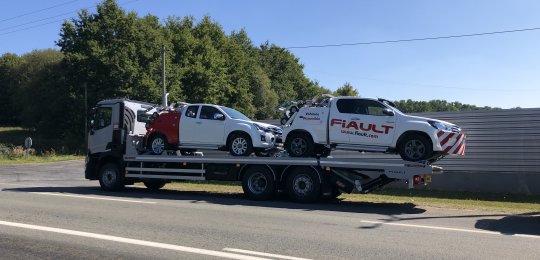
x: 509, y: 203
x: 43, y: 149
x: 39, y: 159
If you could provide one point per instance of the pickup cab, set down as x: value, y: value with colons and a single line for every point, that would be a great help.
x: 208, y: 126
x: 373, y: 125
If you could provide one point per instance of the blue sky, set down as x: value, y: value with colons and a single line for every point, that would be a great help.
x: 497, y: 70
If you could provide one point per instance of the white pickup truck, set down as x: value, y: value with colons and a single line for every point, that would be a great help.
x: 208, y: 126
x: 374, y: 125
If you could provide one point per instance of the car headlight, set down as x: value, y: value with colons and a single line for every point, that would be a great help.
x: 442, y: 126
x: 261, y: 128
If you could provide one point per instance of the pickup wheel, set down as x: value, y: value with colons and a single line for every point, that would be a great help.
x: 240, y: 145
x: 154, y: 184
x: 303, y: 185
x: 258, y: 183
x: 300, y: 145
x: 110, y: 178
x: 158, y: 144
x: 415, y: 147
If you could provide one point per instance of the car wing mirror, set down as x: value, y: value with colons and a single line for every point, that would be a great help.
x: 218, y: 116
x: 388, y: 112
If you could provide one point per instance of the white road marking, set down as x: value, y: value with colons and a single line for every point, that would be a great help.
x: 93, y: 197
x: 263, y: 254
x: 193, y: 250
x: 448, y: 229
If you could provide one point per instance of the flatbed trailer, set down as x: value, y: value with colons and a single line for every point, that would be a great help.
x: 122, y: 162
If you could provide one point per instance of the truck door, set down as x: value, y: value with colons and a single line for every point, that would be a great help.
x: 340, y: 114
x: 188, y: 125
x: 211, y: 126
x: 100, y: 136
x: 372, y: 126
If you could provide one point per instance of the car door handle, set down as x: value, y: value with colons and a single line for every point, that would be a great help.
x: 355, y: 118
x: 198, y: 123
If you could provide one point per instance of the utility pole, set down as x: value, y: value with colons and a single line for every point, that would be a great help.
x: 164, y: 93
x: 85, y: 115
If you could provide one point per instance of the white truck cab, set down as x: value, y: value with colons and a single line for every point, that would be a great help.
x: 365, y: 124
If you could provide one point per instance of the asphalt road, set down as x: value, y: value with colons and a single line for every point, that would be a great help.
x: 49, y: 211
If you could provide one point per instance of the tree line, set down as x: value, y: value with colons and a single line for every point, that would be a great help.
x: 113, y: 53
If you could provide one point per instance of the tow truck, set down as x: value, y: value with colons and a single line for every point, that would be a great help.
x: 118, y: 157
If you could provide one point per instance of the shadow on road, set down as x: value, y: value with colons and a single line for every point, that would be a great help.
x: 527, y: 224
x: 235, y: 199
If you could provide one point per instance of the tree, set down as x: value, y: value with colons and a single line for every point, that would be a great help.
x: 346, y: 90
x: 9, y: 64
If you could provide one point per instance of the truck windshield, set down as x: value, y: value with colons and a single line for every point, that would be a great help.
x: 235, y: 114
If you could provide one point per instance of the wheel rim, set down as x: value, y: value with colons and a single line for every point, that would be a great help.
x: 109, y: 177
x: 303, y: 185
x: 257, y: 183
x: 239, y: 145
x: 158, y: 145
x: 298, y: 146
x: 415, y: 149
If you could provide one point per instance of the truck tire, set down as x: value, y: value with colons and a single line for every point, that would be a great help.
x: 415, y: 147
x: 258, y: 183
x: 110, y: 178
x: 154, y: 184
x: 158, y: 144
x: 283, y: 121
x: 293, y: 110
x: 240, y: 145
x: 300, y: 145
x: 303, y: 185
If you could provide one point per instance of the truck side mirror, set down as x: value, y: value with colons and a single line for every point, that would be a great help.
x: 388, y: 112
x: 218, y: 116
x: 92, y: 123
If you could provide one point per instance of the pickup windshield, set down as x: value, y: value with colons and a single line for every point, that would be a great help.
x: 235, y: 114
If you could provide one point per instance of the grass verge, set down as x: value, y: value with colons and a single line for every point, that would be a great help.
x: 43, y: 149
x: 38, y: 159
x: 509, y: 203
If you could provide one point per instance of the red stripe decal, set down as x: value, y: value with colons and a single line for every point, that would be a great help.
x: 445, y: 140
x: 447, y: 149
x: 440, y: 133
x: 457, y: 149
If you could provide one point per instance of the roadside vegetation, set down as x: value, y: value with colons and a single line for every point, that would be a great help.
x: 509, y: 203
x: 44, y: 149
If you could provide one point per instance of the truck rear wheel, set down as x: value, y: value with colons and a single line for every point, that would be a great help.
x: 258, y: 183
x: 110, y: 178
x: 154, y: 184
x: 303, y: 185
x: 300, y: 145
x: 415, y: 147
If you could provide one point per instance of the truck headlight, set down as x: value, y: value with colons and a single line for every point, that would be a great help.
x: 442, y: 126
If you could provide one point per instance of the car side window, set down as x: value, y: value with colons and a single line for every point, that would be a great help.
x: 103, y: 117
x: 208, y: 112
x: 372, y: 107
x: 191, y: 111
x: 347, y: 106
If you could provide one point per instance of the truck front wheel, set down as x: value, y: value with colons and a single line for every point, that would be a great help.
x: 110, y: 178
x: 415, y: 147
x: 300, y: 145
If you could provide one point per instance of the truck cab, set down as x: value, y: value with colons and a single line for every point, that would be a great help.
x: 374, y: 125
x: 111, y: 121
